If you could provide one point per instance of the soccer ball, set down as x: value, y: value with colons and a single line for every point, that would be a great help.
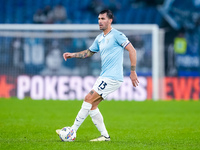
x: 67, y: 134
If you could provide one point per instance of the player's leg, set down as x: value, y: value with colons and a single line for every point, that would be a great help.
x: 97, y: 119
x: 103, y: 87
x: 91, y: 98
x: 82, y: 114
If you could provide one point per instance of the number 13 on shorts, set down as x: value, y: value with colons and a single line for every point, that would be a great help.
x: 102, y: 85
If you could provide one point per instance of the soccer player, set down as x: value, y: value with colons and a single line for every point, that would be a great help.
x: 111, y: 44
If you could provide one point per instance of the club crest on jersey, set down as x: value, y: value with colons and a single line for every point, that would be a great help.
x: 107, y: 40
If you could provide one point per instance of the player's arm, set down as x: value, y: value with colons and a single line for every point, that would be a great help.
x: 133, y: 59
x: 82, y: 54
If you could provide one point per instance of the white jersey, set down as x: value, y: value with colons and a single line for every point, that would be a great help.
x: 111, y: 47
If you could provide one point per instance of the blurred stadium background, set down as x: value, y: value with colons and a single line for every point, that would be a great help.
x: 32, y: 65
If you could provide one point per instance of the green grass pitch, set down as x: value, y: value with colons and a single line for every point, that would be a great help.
x: 162, y: 125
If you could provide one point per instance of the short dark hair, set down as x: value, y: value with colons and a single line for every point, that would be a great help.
x: 108, y: 12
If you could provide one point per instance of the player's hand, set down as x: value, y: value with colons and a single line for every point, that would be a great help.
x: 134, y: 78
x: 67, y: 55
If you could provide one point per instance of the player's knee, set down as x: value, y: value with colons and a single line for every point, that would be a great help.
x: 87, y: 98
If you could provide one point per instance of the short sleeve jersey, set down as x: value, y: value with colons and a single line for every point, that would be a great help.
x: 111, y: 47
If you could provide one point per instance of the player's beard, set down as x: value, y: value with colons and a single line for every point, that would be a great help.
x: 103, y: 27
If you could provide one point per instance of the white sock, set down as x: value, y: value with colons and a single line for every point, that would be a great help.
x: 82, y: 114
x: 97, y: 119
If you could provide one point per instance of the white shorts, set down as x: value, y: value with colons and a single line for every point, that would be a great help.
x: 104, y: 86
